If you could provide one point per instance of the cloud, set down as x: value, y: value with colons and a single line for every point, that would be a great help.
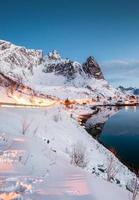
x: 121, y: 72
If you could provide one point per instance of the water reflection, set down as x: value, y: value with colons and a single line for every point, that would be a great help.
x: 118, y: 130
x: 95, y: 124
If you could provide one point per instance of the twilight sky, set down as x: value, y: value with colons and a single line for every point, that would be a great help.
x: 106, y: 29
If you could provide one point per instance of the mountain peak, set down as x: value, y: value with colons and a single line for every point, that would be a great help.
x: 54, y: 55
x: 92, y: 68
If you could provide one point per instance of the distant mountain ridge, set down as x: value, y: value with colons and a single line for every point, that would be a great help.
x: 130, y: 90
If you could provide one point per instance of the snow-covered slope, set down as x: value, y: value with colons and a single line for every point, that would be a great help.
x: 39, y: 178
x: 35, y: 162
x: 56, y: 126
x: 54, y: 75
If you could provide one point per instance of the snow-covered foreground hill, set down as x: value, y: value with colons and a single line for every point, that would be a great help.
x: 30, y: 170
x: 36, y: 148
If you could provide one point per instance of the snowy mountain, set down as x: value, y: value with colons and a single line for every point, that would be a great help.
x: 129, y: 90
x: 53, y: 75
x: 35, y: 143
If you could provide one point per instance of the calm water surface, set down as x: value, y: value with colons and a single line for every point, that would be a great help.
x: 121, y: 132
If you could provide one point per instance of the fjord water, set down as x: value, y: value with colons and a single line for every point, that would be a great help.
x: 121, y: 132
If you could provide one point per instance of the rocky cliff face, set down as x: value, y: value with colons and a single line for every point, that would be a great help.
x: 17, y: 62
x: 53, y: 63
x: 70, y: 69
x: 92, y: 69
x: 19, y: 56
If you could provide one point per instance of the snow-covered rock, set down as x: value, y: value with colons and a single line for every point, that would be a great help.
x: 92, y: 68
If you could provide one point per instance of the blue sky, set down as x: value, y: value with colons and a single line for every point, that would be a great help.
x: 106, y: 29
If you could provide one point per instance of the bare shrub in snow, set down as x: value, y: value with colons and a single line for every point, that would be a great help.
x: 135, y: 189
x: 57, y: 117
x: 78, y: 155
x: 35, y: 131
x: 25, y: 126
x: 19, y: 80
x: 133, y: 186
x: 112, y: 168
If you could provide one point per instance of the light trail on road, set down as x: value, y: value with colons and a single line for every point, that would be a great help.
x: 7, y: 105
